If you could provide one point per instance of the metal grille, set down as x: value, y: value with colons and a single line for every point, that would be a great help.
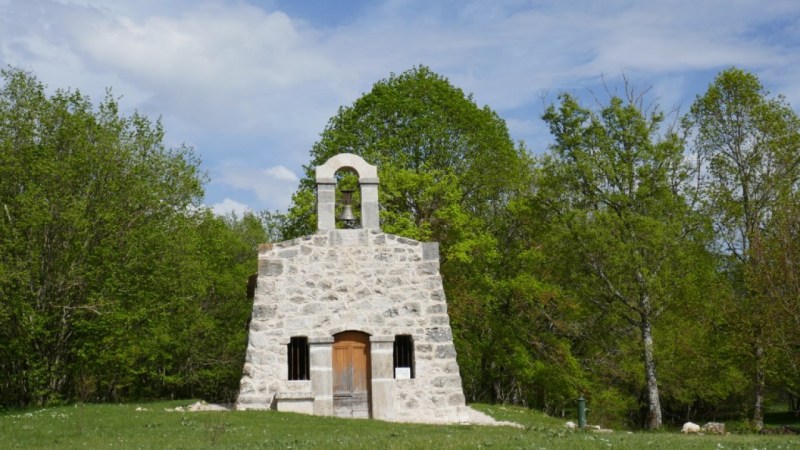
x: 298, y: 359
x: 404, y: 352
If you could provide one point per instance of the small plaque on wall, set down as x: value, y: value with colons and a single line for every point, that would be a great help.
x: 402, y: 373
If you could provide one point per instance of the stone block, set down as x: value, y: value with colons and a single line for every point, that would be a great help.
x: 428, y: 268
x: 424, y: 348
x: 440, y: 320
x: 447, y: 382
x: 323, y: 405
x: 436, y: 309
x: 270, y: 267
x: 445, y: 351
x: 331, y: 297
x: 391, y: 282
x: 296, y: 405
x: 258, y: 340
x: 407, y: 241
x: 451, y: 367
x: 383, y: 399
x: 262, y: 358
x: 431, y: 283
x: 430, y: 251
x: 290, y: 253
x: 412, y: 308
x: 264, y: 311
x: 439, y: 335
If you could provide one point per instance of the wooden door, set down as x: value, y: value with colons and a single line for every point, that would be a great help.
x: 351, y: 374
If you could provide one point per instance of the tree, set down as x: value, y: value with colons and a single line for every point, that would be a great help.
x: 774, y: 276
x: 115, y: 282
x: 448, y: 169
x: 441, y: 159
x: 747, y: 147
x: 621, y: 234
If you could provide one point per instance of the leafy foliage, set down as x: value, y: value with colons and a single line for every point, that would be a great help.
x: 115, y: 284
x: 749, y: 147
x: 579, y: 272
x: 450, y: 173
x: 612, y: 190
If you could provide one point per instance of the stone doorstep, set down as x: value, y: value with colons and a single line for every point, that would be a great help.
x: 287, y: 395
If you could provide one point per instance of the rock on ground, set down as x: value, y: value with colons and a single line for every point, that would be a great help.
x: 475, y: 417
x: 200, y: 406
x: 714, y: 428
x: 690, y: 427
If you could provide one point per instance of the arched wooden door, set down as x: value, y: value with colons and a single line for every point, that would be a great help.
x: 351, y: 374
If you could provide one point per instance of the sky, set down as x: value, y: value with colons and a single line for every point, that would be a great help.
x: 251, y: 84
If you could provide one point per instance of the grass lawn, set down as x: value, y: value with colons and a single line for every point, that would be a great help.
x: 122, y: 426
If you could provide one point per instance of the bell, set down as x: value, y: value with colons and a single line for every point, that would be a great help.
x: 347, y: 216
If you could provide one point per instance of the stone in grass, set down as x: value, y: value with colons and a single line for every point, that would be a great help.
x: 203, y: 406
x: 690, y: 427
x: 199, y: 406
x: 714, y: 428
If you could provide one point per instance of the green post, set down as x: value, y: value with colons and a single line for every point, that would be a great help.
x: 581, y: 412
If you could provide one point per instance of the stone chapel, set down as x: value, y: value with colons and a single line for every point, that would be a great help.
x: 352, y: 322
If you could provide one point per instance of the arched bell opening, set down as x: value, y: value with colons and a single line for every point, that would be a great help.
x: 330, y: 199
x: 348, y: 199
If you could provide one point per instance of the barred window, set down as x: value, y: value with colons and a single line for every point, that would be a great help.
x: 298, y: 359
x: 403, y: 356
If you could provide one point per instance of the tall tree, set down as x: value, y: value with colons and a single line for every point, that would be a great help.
x: 748, y: 148
x: 620, y: 227
x: 774, y: 274
x: 442, y: 160
x: 448, y: 170
x: 115, y: 283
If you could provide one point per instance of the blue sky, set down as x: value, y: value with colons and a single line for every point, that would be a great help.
x: 251, y: 84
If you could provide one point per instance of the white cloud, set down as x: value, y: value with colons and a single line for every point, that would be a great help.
x: 281, y: 173
x: 231, y: 67
x: 228, y: 206
x: 273, y: 187
x: 255, y: 86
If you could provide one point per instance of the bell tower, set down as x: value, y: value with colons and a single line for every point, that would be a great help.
x: 326, y: 191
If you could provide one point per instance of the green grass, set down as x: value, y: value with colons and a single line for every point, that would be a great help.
x: 121, y: 426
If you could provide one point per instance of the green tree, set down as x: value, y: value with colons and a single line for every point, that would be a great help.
x: 442, y: 160
x: 773, y: 274
x: 115, y: 283
x: 448, y: 170
x: 747, y: 148
x: 621, y: 236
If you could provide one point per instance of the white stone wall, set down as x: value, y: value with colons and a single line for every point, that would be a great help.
x: 364, y: 280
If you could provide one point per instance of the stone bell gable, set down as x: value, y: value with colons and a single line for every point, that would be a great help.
x: 352, y: 322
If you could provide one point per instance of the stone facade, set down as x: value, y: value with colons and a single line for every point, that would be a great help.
x: 383, y: 286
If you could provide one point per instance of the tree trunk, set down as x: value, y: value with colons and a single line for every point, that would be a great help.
x: 760, y: 382
x: 653, y: 400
